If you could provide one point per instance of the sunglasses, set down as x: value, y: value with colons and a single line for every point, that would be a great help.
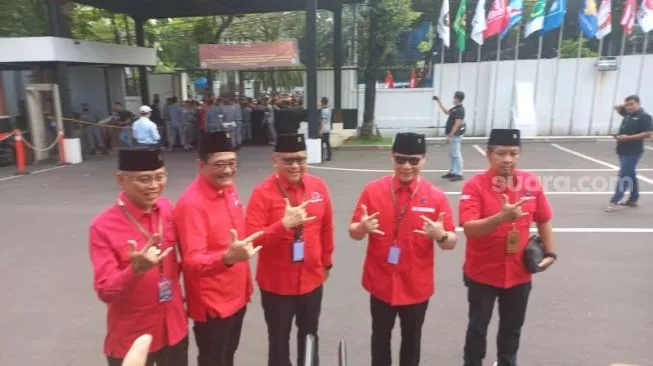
x: 401, y: 160
x: 291, y: 161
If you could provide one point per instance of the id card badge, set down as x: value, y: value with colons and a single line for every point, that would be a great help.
x: 512, y: 242
x: 165, y: 290
x: 298, y: 251
x: 394, y: 254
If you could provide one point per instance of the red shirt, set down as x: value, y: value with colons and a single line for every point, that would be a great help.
x: 486, y: 258
x: 204, y: 217
x: 276, y: 271
x: 133, y: 300
x: 411, y: 280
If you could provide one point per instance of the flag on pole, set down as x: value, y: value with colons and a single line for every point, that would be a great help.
x: 587, y: 19
x: 478, y: 24
x: 536, y: 21
x: 389, y: 80
x: 605, y: 19
x: 515, y: 11
x: 460, y: 25
x: 497, y: 18
x: 628, y: 17
x: 645, y: 16
x: 555, y: 17
x: 443, y: 24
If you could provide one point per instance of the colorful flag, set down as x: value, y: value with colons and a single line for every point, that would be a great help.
x: 389, y: 80
x: 536, y: 21
x: 645, y: 16
x: 587, y: 19
x: 628, y: 17
x: 497, y: 18
x: 478, y: 24
x: 460, y: 24
x: 443, y: 24
x: 604, y: 19
x: 515, y: 11
x: 555, y: 17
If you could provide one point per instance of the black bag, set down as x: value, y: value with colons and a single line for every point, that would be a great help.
x: 533, y: 254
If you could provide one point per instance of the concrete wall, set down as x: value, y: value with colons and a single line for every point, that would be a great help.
x: 412, y: 109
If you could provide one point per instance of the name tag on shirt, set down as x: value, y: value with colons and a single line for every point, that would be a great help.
x: 298, y: 251
x: 165, y: 290
x: 394, y: 254
x: 423, y: 209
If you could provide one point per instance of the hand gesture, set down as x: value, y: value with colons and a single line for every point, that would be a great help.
x: 433, y: 229
x: 143, y: 260
x: 545, y: 263
x: 241, y: 250
x: 513, y: 211
x: 295, y: 216
x: 370, y: 223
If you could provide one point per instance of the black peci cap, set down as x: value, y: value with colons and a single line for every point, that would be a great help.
x: 505, y: 137
x: 409, y: 143
x: 290, y: 143
x: 140, y: 160
x: 216, y: 142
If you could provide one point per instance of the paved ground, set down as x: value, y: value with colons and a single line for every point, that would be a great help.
x: 593, y: 307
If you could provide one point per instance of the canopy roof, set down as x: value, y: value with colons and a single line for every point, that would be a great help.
x: 153, y: 9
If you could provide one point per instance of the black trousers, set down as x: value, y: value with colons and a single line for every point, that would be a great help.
x: 326, y: 140
x: 383, y: 320
x: 176, y: 355
x: 512, y: 312
x: 218, y: 338
x: 279, y: 311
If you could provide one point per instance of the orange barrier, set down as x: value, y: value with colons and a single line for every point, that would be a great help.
x: 62, y: 151
x: 20, y: 153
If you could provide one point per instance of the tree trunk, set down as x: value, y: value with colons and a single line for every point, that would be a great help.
x: 371, y: 72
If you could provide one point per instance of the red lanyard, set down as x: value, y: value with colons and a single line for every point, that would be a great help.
x: 400, y: 212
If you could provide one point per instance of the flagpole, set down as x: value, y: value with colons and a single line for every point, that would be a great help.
x: 478, y: 77
x: 593, y: 103
x: 555, y: 79
x: 537, y: 66
x: 616, y: 86
x: 578, y: 57
x: 460, y: 68
x: 496, y: 74
x: 641, y: 65
x: 514, y: 72
x: 437, y: 130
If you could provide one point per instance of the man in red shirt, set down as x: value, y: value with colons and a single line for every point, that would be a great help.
x: 210, y: 218
x: 294, y: 210
x: 408, y: 216
x: 136, y: 272
x: 496, y: 211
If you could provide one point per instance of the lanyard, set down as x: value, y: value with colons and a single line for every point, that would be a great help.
x: 140, y: 227
x: 300, y: 230
x: 399, y: 212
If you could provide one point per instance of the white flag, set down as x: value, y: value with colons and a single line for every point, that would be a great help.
x: 605, y: 19
x: 444, y: 31
x: 645, y: 16
x: 478, y: 24
x: 536, y: 22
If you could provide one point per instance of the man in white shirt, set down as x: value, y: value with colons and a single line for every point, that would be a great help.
x: 325, y: 125
x: 145, y: 132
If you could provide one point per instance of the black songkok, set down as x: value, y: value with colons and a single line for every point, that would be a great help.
x: 140, y: 160
x: 216, y: 142
x: 504, y: 137
x: 290, y: 143
x: 409, y: 143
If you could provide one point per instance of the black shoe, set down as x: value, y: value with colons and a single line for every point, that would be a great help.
x: 447, y: 176
x: 455, y: 178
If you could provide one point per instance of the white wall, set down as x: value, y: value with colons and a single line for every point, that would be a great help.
x: 412, y: 109
x: 326, y: 87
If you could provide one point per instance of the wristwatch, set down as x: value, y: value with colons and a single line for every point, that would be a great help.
x: 443, y: 238
x: 551, y: 255
x: 328, y: 268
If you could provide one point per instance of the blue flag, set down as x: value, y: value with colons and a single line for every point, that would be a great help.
x: 588, y: 19
x: 555, y: 17
x: 515, y: 9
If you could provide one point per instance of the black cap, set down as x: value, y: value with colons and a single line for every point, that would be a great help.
x: 140, y: 160
x: 216, y: 142
x: 505, y: 137
x: 409, y: 143
x: 290, y: 143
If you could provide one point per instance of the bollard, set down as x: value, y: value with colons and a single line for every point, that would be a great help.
x: 62, y: 151
x: 20, y: 153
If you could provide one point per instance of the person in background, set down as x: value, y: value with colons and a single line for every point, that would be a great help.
x: 294, y: 210
x: 135, y: 269
x: 403, y: 216
x: 176, y: 127
x: 325, y: 125
x: 454, y: 130
x: 229, y: 119
x: 635, y: 128
x: 496, y: 211
x: 145, y: 133
x: 214, y: 116
x: 122, y: 120
x: 246, y: 107
x: 93, y: 132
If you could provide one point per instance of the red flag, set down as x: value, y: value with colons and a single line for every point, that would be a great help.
x: 497, y: 18
x: 413, y: 79
x: 628, y: 17
x: 389, y: 82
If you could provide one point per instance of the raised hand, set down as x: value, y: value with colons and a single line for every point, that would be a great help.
x: 150, y: 256
x: 370, y: 223
x: 513, y: 211
x: 241, y: 250
x: 433, y: 229
x: 296, y: 216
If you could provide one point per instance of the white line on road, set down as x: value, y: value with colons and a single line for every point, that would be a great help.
x: 480, y: 150
x: 590, y: 230
x: 648, y: 147
x: 569, y: 193
x: 34, y: 172
x: 470, y: 170
x: 601, y: 162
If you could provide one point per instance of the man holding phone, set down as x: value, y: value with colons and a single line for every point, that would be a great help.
x: 454, y: 130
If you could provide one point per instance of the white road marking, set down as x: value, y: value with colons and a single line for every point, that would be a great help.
x: 569, y: 193
x: 648, y: 147
x: 469, y: 170
x: 480, y: 150
x: 34, y: 172
x: 591, y: 230
x: 597, y: 161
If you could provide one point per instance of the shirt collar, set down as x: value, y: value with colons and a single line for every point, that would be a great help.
x: 135, y: 211
x: 209, y: 190
x: 399, y: 186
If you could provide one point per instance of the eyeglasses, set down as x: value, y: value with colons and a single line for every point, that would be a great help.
x: 148, y: 179
x: 222, y: 164
x: 291, y: 161
x: 401, y: 160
